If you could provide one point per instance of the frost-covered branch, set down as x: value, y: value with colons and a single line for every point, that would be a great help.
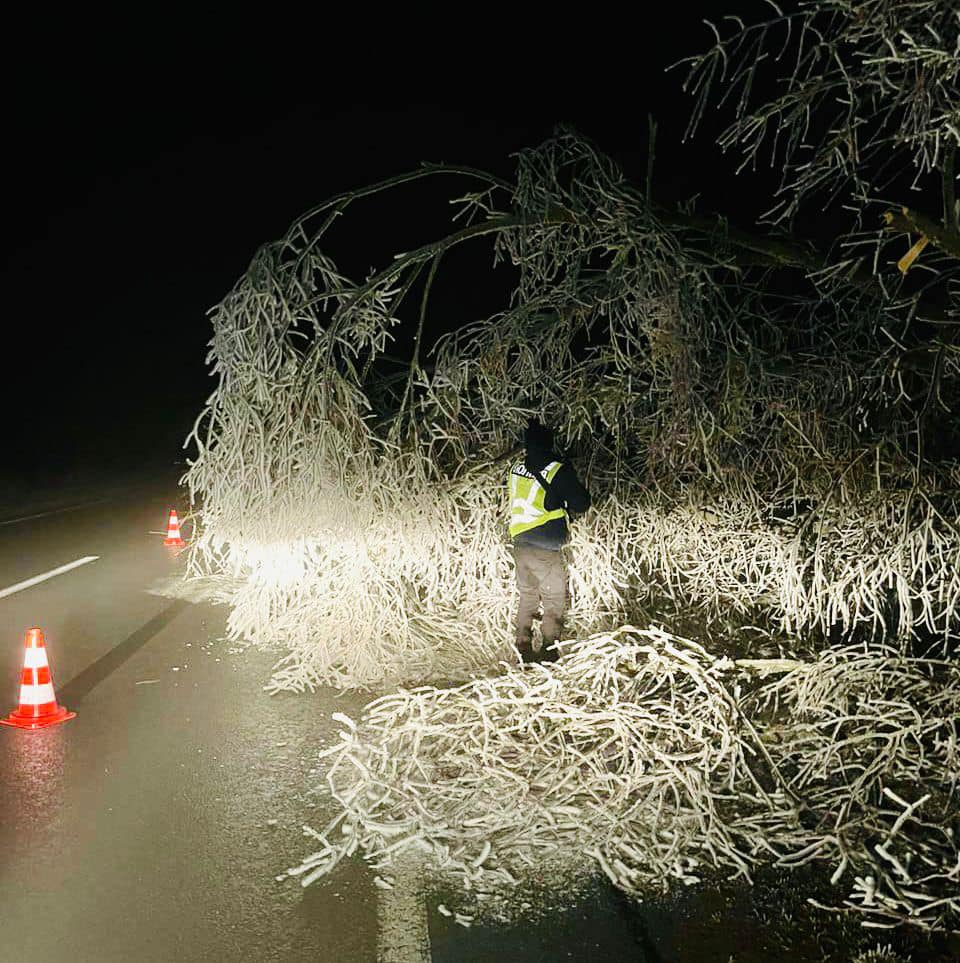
x: 644, y: 758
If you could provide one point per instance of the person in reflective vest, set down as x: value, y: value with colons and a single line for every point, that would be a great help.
x: 545, y: 494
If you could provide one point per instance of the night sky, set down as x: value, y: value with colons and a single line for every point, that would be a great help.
x: 142, y: 175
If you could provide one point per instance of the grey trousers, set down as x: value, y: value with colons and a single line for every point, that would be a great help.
x: 541, y: 579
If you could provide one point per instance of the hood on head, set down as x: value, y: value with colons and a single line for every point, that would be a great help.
x: 538, y: 440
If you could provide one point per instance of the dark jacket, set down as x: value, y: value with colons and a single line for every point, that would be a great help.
x: 565, y: 491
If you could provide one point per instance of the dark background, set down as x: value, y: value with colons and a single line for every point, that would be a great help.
x: 147, y: 160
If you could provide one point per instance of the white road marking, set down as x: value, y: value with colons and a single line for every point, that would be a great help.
x: 37, y: 579
x: 53, y: 511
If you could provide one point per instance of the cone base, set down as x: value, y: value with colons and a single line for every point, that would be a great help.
x: 175, y: 542
x: 19, y: 721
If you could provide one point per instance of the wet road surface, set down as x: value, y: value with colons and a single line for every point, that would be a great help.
x: 152, y: 826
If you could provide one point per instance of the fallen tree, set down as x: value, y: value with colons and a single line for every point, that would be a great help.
x: 363, y: 513
x: 786, y: 460
x: 643, y: 757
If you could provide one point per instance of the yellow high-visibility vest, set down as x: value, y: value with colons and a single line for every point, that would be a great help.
x: 526, y: 499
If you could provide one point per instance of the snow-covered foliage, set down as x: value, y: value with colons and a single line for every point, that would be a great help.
x: 643, y: 755
x: 868, y: 91
x: 738, y: 457
x: 782, y: 453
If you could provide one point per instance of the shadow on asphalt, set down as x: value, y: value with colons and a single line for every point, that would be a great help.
x: 81, y: 685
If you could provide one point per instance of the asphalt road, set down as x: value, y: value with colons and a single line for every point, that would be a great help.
x: 152, y: 826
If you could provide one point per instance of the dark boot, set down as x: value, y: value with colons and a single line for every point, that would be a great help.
x: 526, y: 652
x: 549, y: 652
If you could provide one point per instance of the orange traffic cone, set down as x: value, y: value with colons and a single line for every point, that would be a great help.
x: 38, y: 704
x: 173, y: 531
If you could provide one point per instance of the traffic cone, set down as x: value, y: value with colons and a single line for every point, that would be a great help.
x: 38, y: 704
x: 173, y: 531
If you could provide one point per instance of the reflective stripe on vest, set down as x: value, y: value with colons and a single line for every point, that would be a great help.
x: 526, y: 499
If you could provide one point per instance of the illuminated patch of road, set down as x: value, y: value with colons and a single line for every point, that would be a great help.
x: 37, y: 579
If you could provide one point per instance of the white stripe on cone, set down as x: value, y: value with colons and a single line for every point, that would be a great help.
x: 36, y: 695
x: 35, y: 659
